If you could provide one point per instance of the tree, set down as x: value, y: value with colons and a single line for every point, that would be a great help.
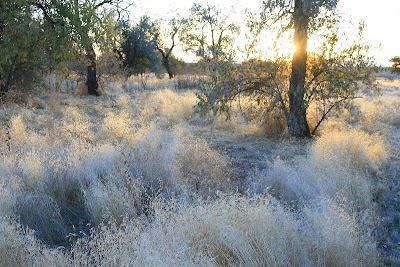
x: 325, y: 79
x: 166, y: 40
x: 334, y: 75
x: 395, y: 64
x: 87, y: 24
x: 302, y: 16
x: 138, y: 48
x: 209, y: 33
x: 26, y: 47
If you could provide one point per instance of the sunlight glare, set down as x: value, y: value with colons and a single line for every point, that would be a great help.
x: 292, y: 49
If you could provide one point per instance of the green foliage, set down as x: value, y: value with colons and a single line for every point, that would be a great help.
x: 318, y: 12
x: 258, y: 80
x: 26, y: 47
x: 335, y: 74
x: 84, y: 22
x: 209, y: 33
x: 38, y: 36
x: 395, y: 64
x: 138, y: 49
x: 88, y: 27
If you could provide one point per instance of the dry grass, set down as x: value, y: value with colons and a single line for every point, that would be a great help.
x: 133, y: 178
x: 119, y: 126
x: 233, y: 231
x: 166, y: 107
x: 379, y: 113
x: 345, y: 166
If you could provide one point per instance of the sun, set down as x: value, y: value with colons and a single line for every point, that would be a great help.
x: 291, y: 49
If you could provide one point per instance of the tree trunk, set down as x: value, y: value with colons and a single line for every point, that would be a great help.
x: 5, y: 87
x: 168, y: 67
x: 297, y: 121
x: 91, y: 79
x: 165, y: 57
x: 3, y: 92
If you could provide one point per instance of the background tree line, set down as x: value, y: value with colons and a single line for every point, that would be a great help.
x: 40, y: 36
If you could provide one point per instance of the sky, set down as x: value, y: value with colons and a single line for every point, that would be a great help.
x: 381, y: 18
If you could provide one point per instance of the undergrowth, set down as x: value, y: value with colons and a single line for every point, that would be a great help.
x: 130, y: 179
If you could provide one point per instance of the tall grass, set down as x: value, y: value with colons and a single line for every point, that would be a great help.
x: 19, y: 247
x: 136, y: 179
x: 233, y: 231
x: 347, y: 166
x: 166, y: 107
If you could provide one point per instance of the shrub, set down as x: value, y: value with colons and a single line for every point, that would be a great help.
x: 76, y: 126
x: 168, y: 108
x: 118, y: 126
x: 185, y: 82
x: 116, y: 198
x: 17, y: 128
x: 200, y: 167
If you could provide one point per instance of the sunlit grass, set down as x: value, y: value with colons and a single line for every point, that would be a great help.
x: 137, y: 178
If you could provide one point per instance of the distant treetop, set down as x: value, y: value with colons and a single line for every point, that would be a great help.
x: 395, y: 64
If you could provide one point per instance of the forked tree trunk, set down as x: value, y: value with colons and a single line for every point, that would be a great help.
x: 297, y: 121
x: 91, y: 78
x: 165, y: 57
x: 167, y: 67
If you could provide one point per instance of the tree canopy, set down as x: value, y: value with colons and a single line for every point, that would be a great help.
x: 27, y: 48
x: 37, y: 36
x: 395, y: 64
x: 138, y: 47
x: 166, y: 37
x: 324, y: 79
x: 209, y: 32
x: 87, y: 25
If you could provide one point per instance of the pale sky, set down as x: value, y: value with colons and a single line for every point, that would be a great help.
x: 381, y: 18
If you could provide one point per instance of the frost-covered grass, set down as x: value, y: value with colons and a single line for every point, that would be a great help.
x: 345, y: 166
x: 137, y: 178
x: 233, y: 231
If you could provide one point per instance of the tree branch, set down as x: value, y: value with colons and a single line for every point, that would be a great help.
x: 45, y: 13
x: 104, y: 2
x: 329, y: 110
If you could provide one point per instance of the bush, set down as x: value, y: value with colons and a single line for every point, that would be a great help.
x: 167, y: 107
